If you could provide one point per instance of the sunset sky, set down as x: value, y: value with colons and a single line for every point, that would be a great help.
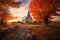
x: 36, y: 8
x: 21, y: 11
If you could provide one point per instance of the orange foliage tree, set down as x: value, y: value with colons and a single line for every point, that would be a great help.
x: 42, y: 9
x: 4, y: 8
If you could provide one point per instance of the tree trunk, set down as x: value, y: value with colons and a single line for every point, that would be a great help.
x: 2, y: 21
x: 46, y: 21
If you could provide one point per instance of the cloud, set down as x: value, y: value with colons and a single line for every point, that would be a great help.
x: 24, y: 2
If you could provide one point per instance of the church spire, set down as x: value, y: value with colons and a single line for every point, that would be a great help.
x: 28, y: 13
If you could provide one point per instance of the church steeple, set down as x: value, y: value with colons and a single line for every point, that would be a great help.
x: 28, y: 13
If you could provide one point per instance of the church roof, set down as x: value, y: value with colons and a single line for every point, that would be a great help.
x: 28, y: 16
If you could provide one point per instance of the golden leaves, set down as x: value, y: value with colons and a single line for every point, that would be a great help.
x: 42, y: 7
x: 10, y: 3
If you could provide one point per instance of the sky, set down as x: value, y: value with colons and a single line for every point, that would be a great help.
x: 21, y: 11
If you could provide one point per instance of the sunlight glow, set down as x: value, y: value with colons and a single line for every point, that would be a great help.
x: 20, y: 12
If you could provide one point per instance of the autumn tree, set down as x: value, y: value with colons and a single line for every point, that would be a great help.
x: 42, y: 9
x: 4, y: 6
